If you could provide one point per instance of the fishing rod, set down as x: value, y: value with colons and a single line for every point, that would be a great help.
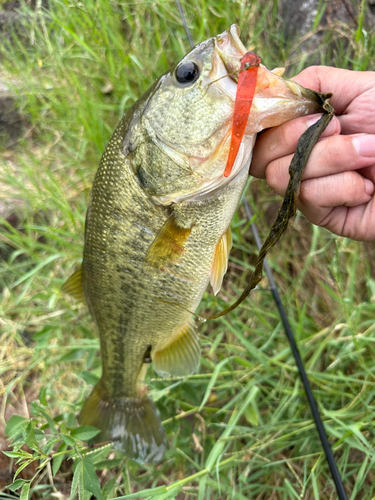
x: 289, y: 333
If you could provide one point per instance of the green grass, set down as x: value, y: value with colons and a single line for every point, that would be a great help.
x: 241, y: 427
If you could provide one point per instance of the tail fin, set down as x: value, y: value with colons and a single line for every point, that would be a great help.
x: 132, y: 424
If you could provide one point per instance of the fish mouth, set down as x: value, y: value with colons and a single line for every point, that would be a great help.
x: 231, y: 50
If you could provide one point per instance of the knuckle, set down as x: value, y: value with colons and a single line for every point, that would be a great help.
x: 336, y: 150
x: 354, y: 183
x: 290, y: 132
x: 283, y: 135
x: 328, y: 152
x: 305, y: 194
x: 274, y: 174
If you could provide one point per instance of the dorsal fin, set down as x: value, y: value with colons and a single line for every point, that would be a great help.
x: 73, y: 286
x: 220, y: 262
x: 278, y: 71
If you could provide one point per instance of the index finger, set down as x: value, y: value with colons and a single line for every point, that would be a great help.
x: 344, y: 84
x: 282, y: 141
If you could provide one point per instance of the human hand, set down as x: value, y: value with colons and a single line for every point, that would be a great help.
x: 337, y: 190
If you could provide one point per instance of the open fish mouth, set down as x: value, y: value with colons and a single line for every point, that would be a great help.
x: 231, y: 50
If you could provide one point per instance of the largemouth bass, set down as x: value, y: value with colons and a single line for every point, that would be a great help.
x: 157, y: 229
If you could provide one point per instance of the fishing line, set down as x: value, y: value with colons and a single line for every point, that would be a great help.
x: 182, y: 15
x: 289, y: 333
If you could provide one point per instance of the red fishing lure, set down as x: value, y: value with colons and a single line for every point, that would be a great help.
x: 247, y: 80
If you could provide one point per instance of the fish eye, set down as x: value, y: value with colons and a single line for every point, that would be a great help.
x: 187, y: 72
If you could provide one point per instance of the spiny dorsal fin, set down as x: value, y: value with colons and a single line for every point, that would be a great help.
x: 180, y: 357
x: 73, y: 286
x: 220, y: 263
x: 169, y: 244
x: 278, y: 71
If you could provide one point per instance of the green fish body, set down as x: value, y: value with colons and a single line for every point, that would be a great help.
x: 157, y: 230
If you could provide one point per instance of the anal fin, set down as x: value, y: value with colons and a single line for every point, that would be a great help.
x: 73, y: 286
x: 220, y: 262
x: 181, y: 356
x: 169, y: 244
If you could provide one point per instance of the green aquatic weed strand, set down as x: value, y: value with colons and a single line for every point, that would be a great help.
x: 288, y: 208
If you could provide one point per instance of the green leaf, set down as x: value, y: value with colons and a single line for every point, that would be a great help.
x: 25, y: 492
x: 37, y: 268
x: 152, y: 492
x: 169, y: 495
x: 39, y: 411
x: 43, y: 395
x: 21, y: 467
x: 68, y: 439
x: 48, y: 447
x: 90, y: 479
x: 79, y: 40
x: 13, y: 425
x: 89, y: 377
x: 99, y: 454
x: 76, y: 478
x: 212, y: 381
x: 57, y: 461
x: 252, y: 416
x: 219, y: 446
x: 17, y: 454
x: 39, y: 435
x: 85, y: 432
x: 108, y: 463
x: 30, y: 435
x: 17, y: 484
x: 109, y: 489
x: 73, y: 355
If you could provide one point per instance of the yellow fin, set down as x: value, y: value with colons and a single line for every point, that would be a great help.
x: 220, y: 263
x: 181, y: 356
x: 73, y: 286
x: 169, y: 244
x: 278, y: 71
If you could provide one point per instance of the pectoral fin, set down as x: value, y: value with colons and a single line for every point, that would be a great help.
x: 169, y: 244
x: 220, y: 263
x: 181, y: 356
x: 73, y: 286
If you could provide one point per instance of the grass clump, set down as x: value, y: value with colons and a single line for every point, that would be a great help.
x: 240, y: 428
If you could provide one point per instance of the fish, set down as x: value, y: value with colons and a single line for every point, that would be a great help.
x: 158, y: 229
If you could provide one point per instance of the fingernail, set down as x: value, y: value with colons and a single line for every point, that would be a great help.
x: 365, y: 145
x: 369, y: 187
x: 313, y: 119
